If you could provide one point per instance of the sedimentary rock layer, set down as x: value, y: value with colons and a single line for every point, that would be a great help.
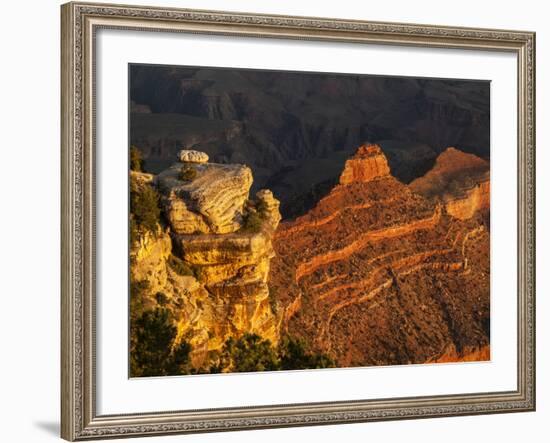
x: 367, y: 164
x: 377, y: 274
x: 460, y: 180
x: 211, y: 202
x: 210, y: 264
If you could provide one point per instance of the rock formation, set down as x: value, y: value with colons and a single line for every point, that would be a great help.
x: 211, y: 202
x: 367, y: 164
x: 378, y: 274
x: 460, y: 180
x: 212, y: 261
x: 192, y: 156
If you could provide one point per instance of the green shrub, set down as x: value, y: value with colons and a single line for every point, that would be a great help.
x: 197, y: 272
x: 144, y: 209
x: 138, y: 296
x: 294, y: 355
x: 179, y: 362
x: 249, y: 353
x: 187, y: 173
x: 134, y: 233
x: 161, y: 298
x: 152, y: 354
x: 179, y: 266
x: 136, y: 159
x: 252, y: 223
x: 138, y: 288
x: 261, y: 207
x: 153, y: 332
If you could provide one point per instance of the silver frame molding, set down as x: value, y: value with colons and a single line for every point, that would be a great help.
x: 79, y: 22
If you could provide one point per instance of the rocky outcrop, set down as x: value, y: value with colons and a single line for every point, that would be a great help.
x: 267, y: 207
x: 377, y: 274
x: 211, y: 200
x: 367, y: 164
x: 192, y: 156
x: 471, y: 201
x: 212, y: 262
x: 460, y: 180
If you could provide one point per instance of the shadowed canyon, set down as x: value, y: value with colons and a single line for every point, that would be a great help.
x: 296, y: 130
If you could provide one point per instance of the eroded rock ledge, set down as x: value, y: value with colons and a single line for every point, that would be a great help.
x: 368, y: 163
x: 212, y: 261
x: 460, y: 180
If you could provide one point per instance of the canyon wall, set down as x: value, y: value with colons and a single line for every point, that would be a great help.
x: 376, y: 273
x: 380, y: 273
x: 209, y: 265
x: 460, y: 180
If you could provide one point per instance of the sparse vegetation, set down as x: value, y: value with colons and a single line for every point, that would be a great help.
x: 187, y: 173
x: 261, y: 207
x: 294, y: 355
x: 252, y: 223
x: 144, y: 209
x: 138, y: 292
x: 161, y: 298
x: 136, y: 159
x: 453, y: 187
x: 180, y: 267
x: 249, y: 353
x: 152, y: 352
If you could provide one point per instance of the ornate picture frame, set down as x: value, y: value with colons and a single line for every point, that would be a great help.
x: 80, y: 22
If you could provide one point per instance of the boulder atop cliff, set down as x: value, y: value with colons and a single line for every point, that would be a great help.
x: 368, y: 163
x: 191, y: 156
x: 205, y: 197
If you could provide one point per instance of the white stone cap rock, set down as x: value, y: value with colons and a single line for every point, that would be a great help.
x: 264, y: 194
x: 192, y: 156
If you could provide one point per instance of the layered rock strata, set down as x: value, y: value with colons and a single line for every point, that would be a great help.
x: 367, y: 164
x: 377, y: 274
x: 212, y: 261
x: 211, y: 202
x: 460, y: 180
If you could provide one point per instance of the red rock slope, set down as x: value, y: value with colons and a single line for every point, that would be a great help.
x: 460, y: 180
x: 377, y: 274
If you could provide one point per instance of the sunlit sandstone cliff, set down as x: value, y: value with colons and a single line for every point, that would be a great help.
x: 460, y: 180
x: 379, y: 274
x: 212, y: 260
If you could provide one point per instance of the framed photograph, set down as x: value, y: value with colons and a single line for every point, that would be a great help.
x: 283, y: 221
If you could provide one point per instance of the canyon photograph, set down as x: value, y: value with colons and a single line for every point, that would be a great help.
x: 301, y: 220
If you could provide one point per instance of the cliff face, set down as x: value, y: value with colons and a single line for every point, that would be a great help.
x: 211, y: 203
x: 367, y: 164
x: 471, y: 201
x: 460, y: 180
x: 212, y: 260
x: 378, y: 274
